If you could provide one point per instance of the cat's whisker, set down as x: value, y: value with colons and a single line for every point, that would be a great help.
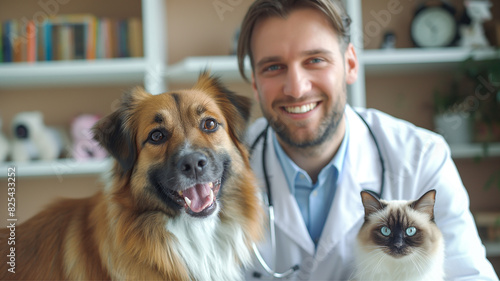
x: 415, y: 259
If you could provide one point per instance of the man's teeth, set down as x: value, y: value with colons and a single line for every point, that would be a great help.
x: 301, y: 109
x: 188, y: 202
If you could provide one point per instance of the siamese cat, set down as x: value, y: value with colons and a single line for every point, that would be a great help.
x: 399, y: 240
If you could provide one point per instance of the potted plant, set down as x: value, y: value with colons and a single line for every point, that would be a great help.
x: 485, y: 75
x: 452, y: 118
x: 470, y: 110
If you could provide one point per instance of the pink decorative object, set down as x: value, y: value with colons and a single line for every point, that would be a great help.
x: 84, y: 146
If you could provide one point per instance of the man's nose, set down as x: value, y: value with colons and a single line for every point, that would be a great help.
x: 297, y: 82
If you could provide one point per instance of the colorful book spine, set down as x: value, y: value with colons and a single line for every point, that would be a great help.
x: 135, y: 37
x: 47, y: 39
x: 91, y: 38
x: 7, y: 46
x: 31, y: 49
x: 123, y: 50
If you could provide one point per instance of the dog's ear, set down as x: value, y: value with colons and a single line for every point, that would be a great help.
x: 236, y: 108
x: 115, y: 132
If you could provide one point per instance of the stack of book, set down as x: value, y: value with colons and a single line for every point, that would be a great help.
x: 70, y: 37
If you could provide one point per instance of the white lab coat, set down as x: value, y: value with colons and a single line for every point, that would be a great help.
x: 416, y: 161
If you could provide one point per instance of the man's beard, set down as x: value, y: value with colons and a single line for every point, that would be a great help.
x: 326, y: 129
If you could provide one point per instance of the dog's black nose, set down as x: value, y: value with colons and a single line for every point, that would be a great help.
x: 192, y: 165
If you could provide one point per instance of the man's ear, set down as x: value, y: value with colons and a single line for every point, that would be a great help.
x: 351, y: 64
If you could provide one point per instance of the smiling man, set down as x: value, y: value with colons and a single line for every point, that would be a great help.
x: 301, y: 84
x: 314, y: 154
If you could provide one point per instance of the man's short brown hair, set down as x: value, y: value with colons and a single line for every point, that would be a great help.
x: 261, y: 9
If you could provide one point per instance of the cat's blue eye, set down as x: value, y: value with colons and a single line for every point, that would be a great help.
x: 385, y: 231
x: 410, y: 231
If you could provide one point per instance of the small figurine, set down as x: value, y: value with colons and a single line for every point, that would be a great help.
x: 389, y: 41
x: 84, y: 146
x: 473, y: 35
x: 33, y: 140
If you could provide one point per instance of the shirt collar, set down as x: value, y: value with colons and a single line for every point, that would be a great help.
x: 291, y: 170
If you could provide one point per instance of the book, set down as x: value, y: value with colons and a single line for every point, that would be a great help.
x: 123, y: 50
x: 135, y: 37
x: 79, y: 41
x: 7, y: 46
x: 31, y: 49
x: 47, y: 40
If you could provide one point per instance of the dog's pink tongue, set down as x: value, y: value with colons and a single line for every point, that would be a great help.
x: 199, y: 196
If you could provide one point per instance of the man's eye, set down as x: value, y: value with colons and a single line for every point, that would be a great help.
x: 316, y: 60
x: 273, y: 67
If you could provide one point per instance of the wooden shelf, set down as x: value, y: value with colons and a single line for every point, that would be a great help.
x: 78, y: 72
x: 58, y: 168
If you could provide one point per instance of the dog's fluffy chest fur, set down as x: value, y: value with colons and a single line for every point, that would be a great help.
x: 210, y: 249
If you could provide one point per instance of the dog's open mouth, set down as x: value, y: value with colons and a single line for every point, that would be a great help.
x: 200, y: 199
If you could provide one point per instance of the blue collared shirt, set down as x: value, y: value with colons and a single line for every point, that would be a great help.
x: 314, y: 199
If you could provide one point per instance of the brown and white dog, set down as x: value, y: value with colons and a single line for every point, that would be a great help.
x: 181, y: 204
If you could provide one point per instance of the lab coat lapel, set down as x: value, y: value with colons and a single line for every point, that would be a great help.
x: 287, y: 213
x: 360, y: 172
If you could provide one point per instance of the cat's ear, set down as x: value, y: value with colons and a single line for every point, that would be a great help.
x: 425, y: 204
x: 371, y: 203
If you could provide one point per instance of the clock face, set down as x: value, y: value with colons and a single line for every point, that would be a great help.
x: 433, y: 27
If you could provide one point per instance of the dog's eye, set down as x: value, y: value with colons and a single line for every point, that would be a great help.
x: 210, y: 125
x: 156, y: 136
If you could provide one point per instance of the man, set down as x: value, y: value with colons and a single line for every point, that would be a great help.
x: 318, y: 154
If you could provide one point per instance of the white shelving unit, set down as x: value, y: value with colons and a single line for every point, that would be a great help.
x: 418, y: 60
x: 81, y: 72
x: 58, y: 168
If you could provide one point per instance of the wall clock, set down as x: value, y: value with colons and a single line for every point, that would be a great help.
x: 434, y: 25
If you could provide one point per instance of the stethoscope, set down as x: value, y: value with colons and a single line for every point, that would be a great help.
x: 269, y: 203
